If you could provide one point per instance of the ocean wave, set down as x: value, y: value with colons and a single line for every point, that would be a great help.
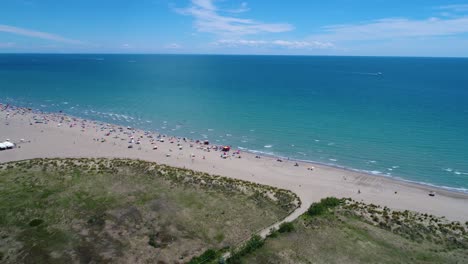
x: 374, y: 172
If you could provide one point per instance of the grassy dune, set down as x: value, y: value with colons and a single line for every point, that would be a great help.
x: 126, y: 211
x: 354, y: 232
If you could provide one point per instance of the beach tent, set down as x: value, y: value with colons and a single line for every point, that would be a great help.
x: 8, y: 144
x: 2, y: 146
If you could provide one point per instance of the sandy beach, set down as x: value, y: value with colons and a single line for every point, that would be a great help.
x: 57, y: 135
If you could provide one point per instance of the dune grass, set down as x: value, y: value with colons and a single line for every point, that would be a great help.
x: 126, y: 211
x: 353, y: 232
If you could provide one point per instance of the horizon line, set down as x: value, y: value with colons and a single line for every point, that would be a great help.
x: 229, y: 54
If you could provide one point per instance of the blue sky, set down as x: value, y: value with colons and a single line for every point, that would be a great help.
x: 299, y: 27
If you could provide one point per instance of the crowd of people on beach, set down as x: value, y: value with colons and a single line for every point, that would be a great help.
x: 134, y: 138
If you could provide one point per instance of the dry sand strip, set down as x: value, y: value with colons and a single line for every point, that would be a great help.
x: 63, y: 137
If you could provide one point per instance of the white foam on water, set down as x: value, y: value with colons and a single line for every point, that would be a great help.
x: 268, y: 146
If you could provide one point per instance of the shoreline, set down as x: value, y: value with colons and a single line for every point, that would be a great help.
x: 325, y: 179
x: 463, y: 190
x: 460, y: 190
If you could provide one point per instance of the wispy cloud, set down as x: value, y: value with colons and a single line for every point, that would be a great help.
x: 4, y: 45
x: 303, y: 44
x: 394, y: 28
x: 37, y: 34
x: 454, y: 8
x: 173, y: 46
x: 243, y: 8
x: 209, y: 18
x: 274, y: 43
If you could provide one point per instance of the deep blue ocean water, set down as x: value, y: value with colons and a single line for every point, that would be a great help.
x: 400, y: 117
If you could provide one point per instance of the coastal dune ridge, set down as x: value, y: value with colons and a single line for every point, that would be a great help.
x: 57, y: 135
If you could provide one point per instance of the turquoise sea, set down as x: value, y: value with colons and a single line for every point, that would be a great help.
x: 399, y: 117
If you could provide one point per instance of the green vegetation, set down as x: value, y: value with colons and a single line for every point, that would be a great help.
x: 286, y: 227
x: 208, y: 256
x: 249, y: 247
x: 127, y: 211
x: 345, y: 231
x: 323, y: 206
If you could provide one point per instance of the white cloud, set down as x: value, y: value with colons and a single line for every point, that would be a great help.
x: 243, y: 8
x: 173, y: 46
x: 240, y: 42
x: 205, y: 4
x: 37, y: 34
x: 4, y: 45
x: 393, y: 28
x: 274, y: 43
x: 455, y: 8
x: 303, y: 44
x: 208, y: 18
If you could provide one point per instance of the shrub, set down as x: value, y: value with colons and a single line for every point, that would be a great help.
x: 253, y: 244
x: 331, y: 202
x: 286, y: 227
x: 152, y: 241
x: 323, y: 206
x: 207, y: 256
x: 316, y: 209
